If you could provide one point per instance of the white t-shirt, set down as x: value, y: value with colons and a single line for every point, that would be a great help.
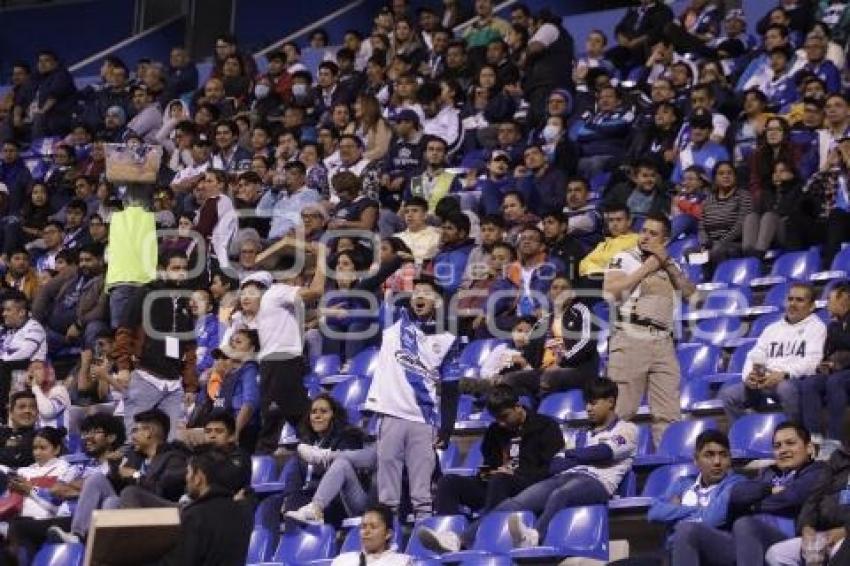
x: 277, y: 322
x: 547, y: 34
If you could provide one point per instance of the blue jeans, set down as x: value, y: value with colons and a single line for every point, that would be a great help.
x: 341, y: 479
x: 737, y: 398
x: 696, y: 544
x: 549, y: 496
x: 753, y: 537
x: 832, y: 388
x: 119, y: 296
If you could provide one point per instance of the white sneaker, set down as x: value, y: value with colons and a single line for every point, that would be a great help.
x: 55, y: 533
x: 310, y: 514
x: 314, y: 455
x: 522, y: 536
x: 439, y: 542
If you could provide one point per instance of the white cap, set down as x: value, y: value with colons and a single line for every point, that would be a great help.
x: 264, y: 278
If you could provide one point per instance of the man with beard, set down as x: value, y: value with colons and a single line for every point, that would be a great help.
x: 163, y: 367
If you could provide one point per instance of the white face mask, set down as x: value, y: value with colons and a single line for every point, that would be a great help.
x: 299, y: 90
x: 550, y: 133
x: 262, y: 91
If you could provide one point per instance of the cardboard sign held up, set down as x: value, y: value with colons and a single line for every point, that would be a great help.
x: 132, y: 162
x: 131, y: 537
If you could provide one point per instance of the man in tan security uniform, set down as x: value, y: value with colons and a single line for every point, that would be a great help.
x: 644, y: 283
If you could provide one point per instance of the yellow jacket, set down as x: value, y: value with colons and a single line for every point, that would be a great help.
x: 598, y: 259
x: 132, y: 247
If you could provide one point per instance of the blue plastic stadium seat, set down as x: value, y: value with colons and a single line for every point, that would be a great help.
x: 717, y: 331
x: 325, y: 365
x: 351, y: 392
x: 361, y: 365
x: 692, y: 392
x: 59, y: 555
x: 303, y: 544
x: 678, y: 248
x: 492, y: 537
x: 644, y: 440
x: 351, y: 542
x: 474, y: 459
x: 275, y: 485
x: 449, y: 456
x: 839, y: 269
x: 628, y: 485
x: 735, y: 367
x: 790, y: 266
x: 729, y: 301
x: 656, y: 484
x: 440, y: 523
x: 776, y: 296
x: 677, y: 443
x: 697, y: 360
x: 263, y: 469
x: 563, y: 406
x: 267, y: 514
x: 733, y: 273
x: 751, y: 436
x: 288, y: 435
x: 260, y: 546
x: 469, y: 418
x: 474, y: 354
x: 574, y: 531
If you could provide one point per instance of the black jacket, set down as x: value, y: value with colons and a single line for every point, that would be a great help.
x: 756, y: 496
x: 215, y: 530
x: 164, y: 476
x: 822, y: 510
x: 16, y: 446
x: 837, y: 349
x: 540, y: 439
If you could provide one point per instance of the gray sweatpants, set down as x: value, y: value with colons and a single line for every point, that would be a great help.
x: 341, y: 479
x: 405, y: 443
x: 96, y: 493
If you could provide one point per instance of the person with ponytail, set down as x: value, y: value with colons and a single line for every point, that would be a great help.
x: 376, y: 541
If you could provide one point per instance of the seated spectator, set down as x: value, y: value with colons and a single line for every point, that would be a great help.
x: 538, y: 267
x: 757, y: 65
x: 703, y: 101
x: 636, y: 31
x: 620, y: 238
x: 688, y: 198
x: 152, y: 464
x: 569, y: 357
x: 542, y: 183
x: 22, y: 340
x: 422, y: 239
x: 20, y: 274
x: 492, y: 233
x: 561, y: 245
x: 817, y: 63
x: 49, y: 245
x: 16, y: 437
x: 207, y: 328
x: 228, y: 155
x: 693, y: 508
x: 286, y: 216
x: 102, y: 435
x: 76, y: 232
x: 354, y: 211
x: 829, y: 385
x: 233, y: 386
x: 822, y: 521
x: 450, y: 261
x: 441, y: 118
x: 723, y: 213
x: 516, y: 216
x: 73, y: 306
x: 35, y: 214
x: 778, y: 84
x: 518, y: 449
x: 434, y: 182
x: 602, y: 135
x: 54, y: 96
x: 488, y: 302
x: 148, y: 115
x: 371, y: 127
x: 770, y: 223
x: 496, y: 182
x: 749, y: 129
x: 51, y: 395
x: 645, y: 193
x: 700, y: 150
x: 584, y: 221
x: 376, y: 535
x: 523, y: 352
x: 822, y: 217
x: 657, y: 139
x: 780, y: 490
x: 306, y: 492
x: 784, y: 356
x: 214, y: 528
x: 220, y: 432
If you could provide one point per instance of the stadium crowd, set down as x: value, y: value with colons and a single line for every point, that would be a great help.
x: 441, y: 224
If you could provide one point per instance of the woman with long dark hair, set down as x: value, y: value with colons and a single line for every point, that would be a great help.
x: 723, y: 213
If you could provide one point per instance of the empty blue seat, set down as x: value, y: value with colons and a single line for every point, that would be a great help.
x: 564, y: 406
x: 717, y: 331
x: 326, y: 365
x: 775, y: 298
x: 303, y: 544
x: 839, y: 269
x: 492, y: 537
x: 733, y: 273
x: 59, y: 555
x: 449, y: 456
x: 574, y: 531
x: 260, y: 546
x: 681, y: 246
x: 361, y: 365
x: 790, y: 266
x: 469, y: 418
x: 751, y: 436
x: 627, y: 486
x: 697, y: 360
x: 729, y: 301
x: 267, y: 514
x: 351, y: 392
x: 677, y: 443
x: 735, y: 366
x: 275, y: 485
x: 692, y: 392
x: 263, y: 469
x: 644, y: 440
x: 474, y: 459
x: 474, y: 354
x: 440, y: 523
x: 656, y: 484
